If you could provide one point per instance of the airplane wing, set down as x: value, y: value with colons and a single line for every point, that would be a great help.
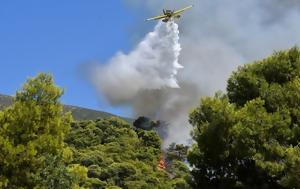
x: 182, y: 10
x: 156, y: 18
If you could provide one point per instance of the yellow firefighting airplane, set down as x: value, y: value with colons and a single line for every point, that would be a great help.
x: 169, y: 14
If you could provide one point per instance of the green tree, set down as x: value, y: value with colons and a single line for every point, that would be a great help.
x: 117, y: 154
x: 249, y: 137
x: 176, y: 152
x: 32, y: 130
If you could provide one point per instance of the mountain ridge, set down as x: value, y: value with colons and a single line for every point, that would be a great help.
x: 78, y: 113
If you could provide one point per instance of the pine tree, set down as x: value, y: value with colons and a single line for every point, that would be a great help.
x: 250, y: 137
x: 32, y: 129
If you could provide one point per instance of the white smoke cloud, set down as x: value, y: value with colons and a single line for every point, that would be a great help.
x: 216, y: 37
x: 152, y: 65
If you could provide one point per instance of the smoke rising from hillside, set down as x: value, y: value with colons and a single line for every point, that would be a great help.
x: 216, y: 37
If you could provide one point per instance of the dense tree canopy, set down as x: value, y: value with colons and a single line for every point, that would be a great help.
x: 41, y: 147
x: 117, y: 154
x: 249, y: 137
x: 31, y: 134
x: 246, y: 138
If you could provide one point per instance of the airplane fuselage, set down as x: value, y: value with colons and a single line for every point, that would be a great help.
x: 169, y: 14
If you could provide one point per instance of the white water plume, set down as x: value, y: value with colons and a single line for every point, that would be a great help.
x: 216, y: 37
x: 152, y: 65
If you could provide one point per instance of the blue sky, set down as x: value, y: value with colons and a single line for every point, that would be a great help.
x: 57, y: 37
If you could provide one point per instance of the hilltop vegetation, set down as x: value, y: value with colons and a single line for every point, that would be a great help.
x: 248, y: 137
x: 118, y: 155
x: 42, y: 147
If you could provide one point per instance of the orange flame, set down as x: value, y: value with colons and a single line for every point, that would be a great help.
x: 161, y: 164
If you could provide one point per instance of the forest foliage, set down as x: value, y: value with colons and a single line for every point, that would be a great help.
x: 42, y: 147
x: 248, y: 137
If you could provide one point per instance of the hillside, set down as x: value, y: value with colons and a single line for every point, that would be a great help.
x: 43, y: 148
x: 5, y: 101
x: 78, y: 113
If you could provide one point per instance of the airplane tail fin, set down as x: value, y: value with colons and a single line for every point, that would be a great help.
x: 164, y: 11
